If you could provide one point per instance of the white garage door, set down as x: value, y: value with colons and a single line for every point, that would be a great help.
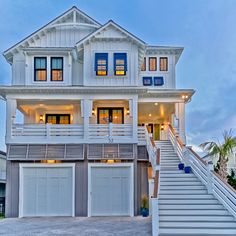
x: 46, y: 191
x: 111, y: 191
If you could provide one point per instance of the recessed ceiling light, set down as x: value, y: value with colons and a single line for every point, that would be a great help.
x: 150, y: 114
x: 156, y: 103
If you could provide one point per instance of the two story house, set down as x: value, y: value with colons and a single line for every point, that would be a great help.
x: 88, y: 93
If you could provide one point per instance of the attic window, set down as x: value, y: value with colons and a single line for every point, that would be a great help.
x: 101, y: 64
x: 120, y: 63
x: 56, y: 68
x: 40, y: 69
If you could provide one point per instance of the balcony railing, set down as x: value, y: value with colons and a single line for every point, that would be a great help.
x: 76, y: 133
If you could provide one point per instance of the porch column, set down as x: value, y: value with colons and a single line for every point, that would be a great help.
x: 10, y: 117
x: 133, y: 105
x: 180, y: 114
x: 86, y: 112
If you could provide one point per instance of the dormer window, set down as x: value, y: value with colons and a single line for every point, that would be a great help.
x: 101, y: 64
x: 120, y: 63
x: 40, y: 69
x: 56, y: 68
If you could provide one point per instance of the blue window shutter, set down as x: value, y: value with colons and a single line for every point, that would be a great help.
x: 100, y: 56
x: 120, y: 56
x: 158, y: 81
x: 147, y: 81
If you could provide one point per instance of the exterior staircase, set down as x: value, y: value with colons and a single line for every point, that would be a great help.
x: 185, y: 207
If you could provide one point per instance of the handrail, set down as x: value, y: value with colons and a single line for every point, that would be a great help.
x: 204, y: 171
x: 157, y: 175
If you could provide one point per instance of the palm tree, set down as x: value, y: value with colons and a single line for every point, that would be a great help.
x: 221, y: 149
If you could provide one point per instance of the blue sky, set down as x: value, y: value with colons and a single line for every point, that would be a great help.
x: 206, y: 28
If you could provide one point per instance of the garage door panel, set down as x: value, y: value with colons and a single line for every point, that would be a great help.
x: 111, y: 190
x: 47, y: 191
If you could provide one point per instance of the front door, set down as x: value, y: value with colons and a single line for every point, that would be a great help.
x: 110, y: 115
x: 61, y: 119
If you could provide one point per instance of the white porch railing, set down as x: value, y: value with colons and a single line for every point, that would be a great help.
x: 46, y: 130
x: 106, y: 133
x: 110, y: 131
x: 204, y: 171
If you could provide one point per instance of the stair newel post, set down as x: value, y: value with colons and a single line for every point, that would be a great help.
x: 210, y: 168
x: 155, y: 217
x: 155, y: 207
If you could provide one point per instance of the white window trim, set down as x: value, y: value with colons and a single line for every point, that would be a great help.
x: 108, y: 165
x: 42, y: 165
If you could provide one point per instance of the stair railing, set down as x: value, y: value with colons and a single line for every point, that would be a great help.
x: 176, y: 142
x: 154, y: 157
x: 205, y: 172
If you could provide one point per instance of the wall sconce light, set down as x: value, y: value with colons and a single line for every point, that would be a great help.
x: 127, y: 112
x: 41, y: 118
x: 93, y: 112
x: 162, y: 126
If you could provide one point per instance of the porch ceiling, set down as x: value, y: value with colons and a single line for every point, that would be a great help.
x: 149, y: 112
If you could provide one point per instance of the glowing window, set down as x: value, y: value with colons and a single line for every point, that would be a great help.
x: 56, y: 69
x: 101, y: 64
x: 120, y: 63
x: 152, y: 63
x: 163, y: 64
x: 40, y: 69
x: 143, y: 66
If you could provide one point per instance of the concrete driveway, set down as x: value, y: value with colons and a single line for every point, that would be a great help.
x: 79, y: 226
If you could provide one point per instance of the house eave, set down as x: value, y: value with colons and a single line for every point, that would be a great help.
x: 140, y: 91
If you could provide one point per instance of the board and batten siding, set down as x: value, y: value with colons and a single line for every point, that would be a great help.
x: 61, y: 37
x: 89, y: 76
x: 12, y: 189
x: 169, y: 76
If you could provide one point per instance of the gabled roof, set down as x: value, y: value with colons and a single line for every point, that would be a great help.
x: 8, y: 52
x: 115, y: 25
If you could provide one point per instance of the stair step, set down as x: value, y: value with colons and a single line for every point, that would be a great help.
x: 194, y: 183
x: 201, y: 224
x: 190, y: 187
x: 200, y: 212
x: 180, y: 179
x: 176, y: 175
x: 185, y: 206
x: 208, y: 218
x: 188, y: 201
x: 187, y: 196
x: 181, y: 191
x: 196, y: 231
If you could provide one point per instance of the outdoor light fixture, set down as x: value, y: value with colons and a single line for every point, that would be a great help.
x: 150, y: 115
x: 41, y: 118
x: 185, y: 96
x: 93, y: 112
x: 156, y: 103
x: 127, y: 112
x: 162, y: 126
